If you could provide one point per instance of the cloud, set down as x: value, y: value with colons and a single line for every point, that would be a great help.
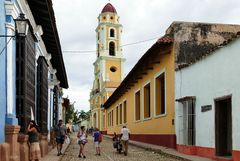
x: 141, y: 19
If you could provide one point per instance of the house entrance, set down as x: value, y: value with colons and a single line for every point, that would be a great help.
x: 223, y: 127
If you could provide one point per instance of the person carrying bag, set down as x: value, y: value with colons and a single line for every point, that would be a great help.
x: 82, y: 140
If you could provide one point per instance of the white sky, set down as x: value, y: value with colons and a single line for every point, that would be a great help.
x: 141, y: 19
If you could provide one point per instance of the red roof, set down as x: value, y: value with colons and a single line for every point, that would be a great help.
x: 109, y: 8
x: 165, y: 39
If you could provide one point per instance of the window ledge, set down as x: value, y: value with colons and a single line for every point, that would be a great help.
x: 146, y: 119
x: 120, y: 125
x: 137, y: 121
x: 159, y: 116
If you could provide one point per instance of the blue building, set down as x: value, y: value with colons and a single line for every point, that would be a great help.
x: 32, y: 75
x: 3, y: 101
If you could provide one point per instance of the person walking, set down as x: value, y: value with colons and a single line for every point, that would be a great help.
x: 97, y: 140
x: 60, y: 134
x: 82, y: 140
x: 33, y: 130
x: 125, y: 136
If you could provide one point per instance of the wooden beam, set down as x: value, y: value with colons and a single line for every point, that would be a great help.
x: 144, y: 72
x: 156, y: 62
x: 150, y: 68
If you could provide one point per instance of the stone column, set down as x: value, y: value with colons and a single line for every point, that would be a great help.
x: 43, y: 145
x: 23, y: 147
x: 11, y: 133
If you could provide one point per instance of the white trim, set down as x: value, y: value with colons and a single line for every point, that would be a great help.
x: 11, y: 9
x: 154, y: 102
x: 134, y: 104
x: 146, y: 119
x: 10, y: 26
x: 143, y: 86
x: 10, y: 67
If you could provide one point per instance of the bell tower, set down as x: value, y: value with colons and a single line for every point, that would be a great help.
x: 109, y: 50
x: 108, y: 67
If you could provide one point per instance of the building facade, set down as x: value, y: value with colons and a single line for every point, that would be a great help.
x: 31, y: 64
x: 108, y: 67
x: 3, y: 80
x: 206, y: 89
x: 144, y: 101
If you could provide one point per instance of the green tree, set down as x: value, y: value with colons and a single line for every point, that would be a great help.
x: 75, y: 116
x: 70, y: 114
x: 82, y: 115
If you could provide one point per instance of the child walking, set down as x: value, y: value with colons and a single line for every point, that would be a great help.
x: 97, y: 140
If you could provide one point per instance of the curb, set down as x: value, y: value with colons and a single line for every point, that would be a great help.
x: 155, y: 150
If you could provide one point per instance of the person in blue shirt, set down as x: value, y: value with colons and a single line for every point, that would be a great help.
x: 96, y: 136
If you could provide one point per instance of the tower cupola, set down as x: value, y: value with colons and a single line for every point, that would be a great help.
x: 109, y: 8
x: 109, y: 33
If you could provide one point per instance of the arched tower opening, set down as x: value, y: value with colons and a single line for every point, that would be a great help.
x: 112, y: 33
x: 112, y: 48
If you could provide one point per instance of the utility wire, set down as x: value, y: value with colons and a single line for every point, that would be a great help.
x: 5, y: 46
x: 94, y: 51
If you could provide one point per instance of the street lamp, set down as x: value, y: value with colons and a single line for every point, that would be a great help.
x: 21, y: 25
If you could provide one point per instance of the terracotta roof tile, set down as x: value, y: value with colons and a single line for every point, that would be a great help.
x: 165, y: 39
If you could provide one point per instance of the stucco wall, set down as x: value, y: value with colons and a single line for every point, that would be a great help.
x: 152, y: 125
x: 2, y: 73
x: 215, y: 76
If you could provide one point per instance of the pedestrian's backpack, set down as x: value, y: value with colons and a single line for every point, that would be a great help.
x: 100, y: 138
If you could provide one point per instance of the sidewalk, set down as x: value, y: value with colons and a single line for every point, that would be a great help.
x: 164, y: 150
x: 52, y: 155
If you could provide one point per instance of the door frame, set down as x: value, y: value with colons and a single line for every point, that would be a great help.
x: 226, y: 97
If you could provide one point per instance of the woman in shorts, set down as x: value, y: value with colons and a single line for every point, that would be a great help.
x: 82, y: 140
x: 33, y: 130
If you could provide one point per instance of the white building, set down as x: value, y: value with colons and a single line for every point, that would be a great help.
x: 207, y: 89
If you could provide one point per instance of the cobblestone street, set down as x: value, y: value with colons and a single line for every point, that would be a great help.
x: 108, y: 153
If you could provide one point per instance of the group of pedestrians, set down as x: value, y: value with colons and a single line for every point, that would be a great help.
x: 61, y: 133
x: 97, y: 139
x: 82, y: 140
x: 33, y: 133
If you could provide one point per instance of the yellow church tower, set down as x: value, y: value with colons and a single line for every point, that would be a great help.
x: 108, y: 67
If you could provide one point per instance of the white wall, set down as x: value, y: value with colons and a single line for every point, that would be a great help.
x: 215, y: 76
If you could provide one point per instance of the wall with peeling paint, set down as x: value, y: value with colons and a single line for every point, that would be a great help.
x: 214, y: 76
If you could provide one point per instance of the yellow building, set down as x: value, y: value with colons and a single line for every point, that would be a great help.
x: 108, y: 67
x: 144, y: 101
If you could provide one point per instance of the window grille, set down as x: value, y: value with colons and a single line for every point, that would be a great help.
x: 189, y: 131
x: 42, y: 94
x: 25, y: 80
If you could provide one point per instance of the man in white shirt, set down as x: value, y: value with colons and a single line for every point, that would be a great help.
x: 125, y: 135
